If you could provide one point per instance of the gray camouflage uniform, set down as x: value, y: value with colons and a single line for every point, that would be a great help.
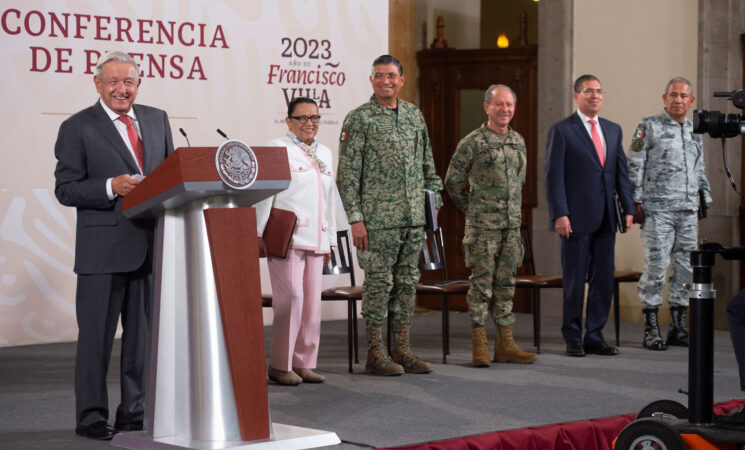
x: 666, y: 168
x: 385, y: 163
x: 494, y: 169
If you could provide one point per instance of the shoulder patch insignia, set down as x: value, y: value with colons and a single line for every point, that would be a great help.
x: 637, y: 144
x: 639, y: 133
x: 343, y: 136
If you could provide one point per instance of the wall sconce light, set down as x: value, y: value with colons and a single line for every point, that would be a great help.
x: 502, y: 41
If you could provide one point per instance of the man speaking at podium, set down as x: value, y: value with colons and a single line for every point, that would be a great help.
x: 102, y: 153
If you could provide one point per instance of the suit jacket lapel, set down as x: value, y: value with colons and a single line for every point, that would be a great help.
x: 584, y: 137
x: 109, y: 131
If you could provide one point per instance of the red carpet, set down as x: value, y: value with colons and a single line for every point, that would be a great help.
x: 594, y: 434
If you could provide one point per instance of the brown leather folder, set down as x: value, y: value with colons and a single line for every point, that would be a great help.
x: 278, y: 232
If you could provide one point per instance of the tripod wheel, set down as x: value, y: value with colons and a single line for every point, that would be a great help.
x: 664, y: 409
x: 649, y: 434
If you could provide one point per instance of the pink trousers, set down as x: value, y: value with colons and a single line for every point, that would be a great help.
x: 296, y: 301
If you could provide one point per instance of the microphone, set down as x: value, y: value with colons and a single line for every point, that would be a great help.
x: 219, y: 131
x: 183, y: 133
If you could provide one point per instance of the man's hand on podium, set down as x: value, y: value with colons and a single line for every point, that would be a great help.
x: 262, y: 248
x: 123, y: 184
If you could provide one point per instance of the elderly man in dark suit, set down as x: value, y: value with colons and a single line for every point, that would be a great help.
x: 585, y: 169
x: 102, y: 153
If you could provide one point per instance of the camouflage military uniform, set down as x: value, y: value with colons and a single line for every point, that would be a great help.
x: 666, y: 168
x: 494, y: 168
x: 385, y: 163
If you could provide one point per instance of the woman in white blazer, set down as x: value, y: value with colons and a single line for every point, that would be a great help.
x: 296, y: 279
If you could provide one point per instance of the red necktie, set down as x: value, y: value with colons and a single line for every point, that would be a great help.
x: 134, y: 140
x: 596, y: 140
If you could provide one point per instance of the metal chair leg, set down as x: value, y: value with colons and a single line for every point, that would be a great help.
x: 537, y: 319
x: 351, y: 336
x: 447, y: 322
x: 445, y: 328
x: 616, y: 311
x: 354, y: 324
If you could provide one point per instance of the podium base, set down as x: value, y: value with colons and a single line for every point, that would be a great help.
x: 286, y: 437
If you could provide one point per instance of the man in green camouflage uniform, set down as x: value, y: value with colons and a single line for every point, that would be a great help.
x: 492, y: 161
x: 385, y: 163
x: 666, y: 168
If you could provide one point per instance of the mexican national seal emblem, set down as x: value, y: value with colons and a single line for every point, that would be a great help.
x: 236, y: 164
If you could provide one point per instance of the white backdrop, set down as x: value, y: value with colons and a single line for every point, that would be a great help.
x: 232, y: 65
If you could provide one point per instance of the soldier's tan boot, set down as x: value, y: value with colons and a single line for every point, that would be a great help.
x: 506, y: 349
x: 480, y: 347
x: 378, y: 361
x: 402, y: 353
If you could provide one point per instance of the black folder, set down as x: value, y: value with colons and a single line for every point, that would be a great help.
x: 620, y: 218
x: 430, y: 208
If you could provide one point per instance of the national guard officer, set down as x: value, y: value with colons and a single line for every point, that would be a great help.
x: 666, y: 167
x: 492, y: 161
x: 385, y: 164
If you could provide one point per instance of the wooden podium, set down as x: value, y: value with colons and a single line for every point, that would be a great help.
x: 207, y: 377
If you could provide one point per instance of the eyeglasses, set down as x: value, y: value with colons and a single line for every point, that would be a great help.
x: 598, y: 92
x: 304, y: 119
x: 389, y: 75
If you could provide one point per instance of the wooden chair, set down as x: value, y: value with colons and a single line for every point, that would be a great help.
x: 342, y: 262
x: 536, y: 282
x: 433, y: 258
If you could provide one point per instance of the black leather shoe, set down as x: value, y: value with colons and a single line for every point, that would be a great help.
x: 575, y: 349
x: 135, y: 426
x: 100, y: 431
x: 600, y: 348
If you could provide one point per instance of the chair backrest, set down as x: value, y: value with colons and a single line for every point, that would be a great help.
x: 528, y: 246
x: 341, y: 261
x: 433, y: 252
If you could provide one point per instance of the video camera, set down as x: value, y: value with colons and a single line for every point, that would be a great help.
x: 718, y: 124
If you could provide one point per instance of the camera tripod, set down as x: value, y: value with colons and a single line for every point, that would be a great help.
x: 667, y: 424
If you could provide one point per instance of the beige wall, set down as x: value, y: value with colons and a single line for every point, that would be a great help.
x: 634, y: 54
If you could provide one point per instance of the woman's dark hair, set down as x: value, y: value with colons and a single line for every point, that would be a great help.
x: 297, y: 100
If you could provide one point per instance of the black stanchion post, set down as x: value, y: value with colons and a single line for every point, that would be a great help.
x: 701, y: 350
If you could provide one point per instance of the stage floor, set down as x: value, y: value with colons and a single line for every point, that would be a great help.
x: 455, y: 400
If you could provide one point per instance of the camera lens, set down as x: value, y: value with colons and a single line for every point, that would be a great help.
x: 701, y: 121
x: 718, y: 124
